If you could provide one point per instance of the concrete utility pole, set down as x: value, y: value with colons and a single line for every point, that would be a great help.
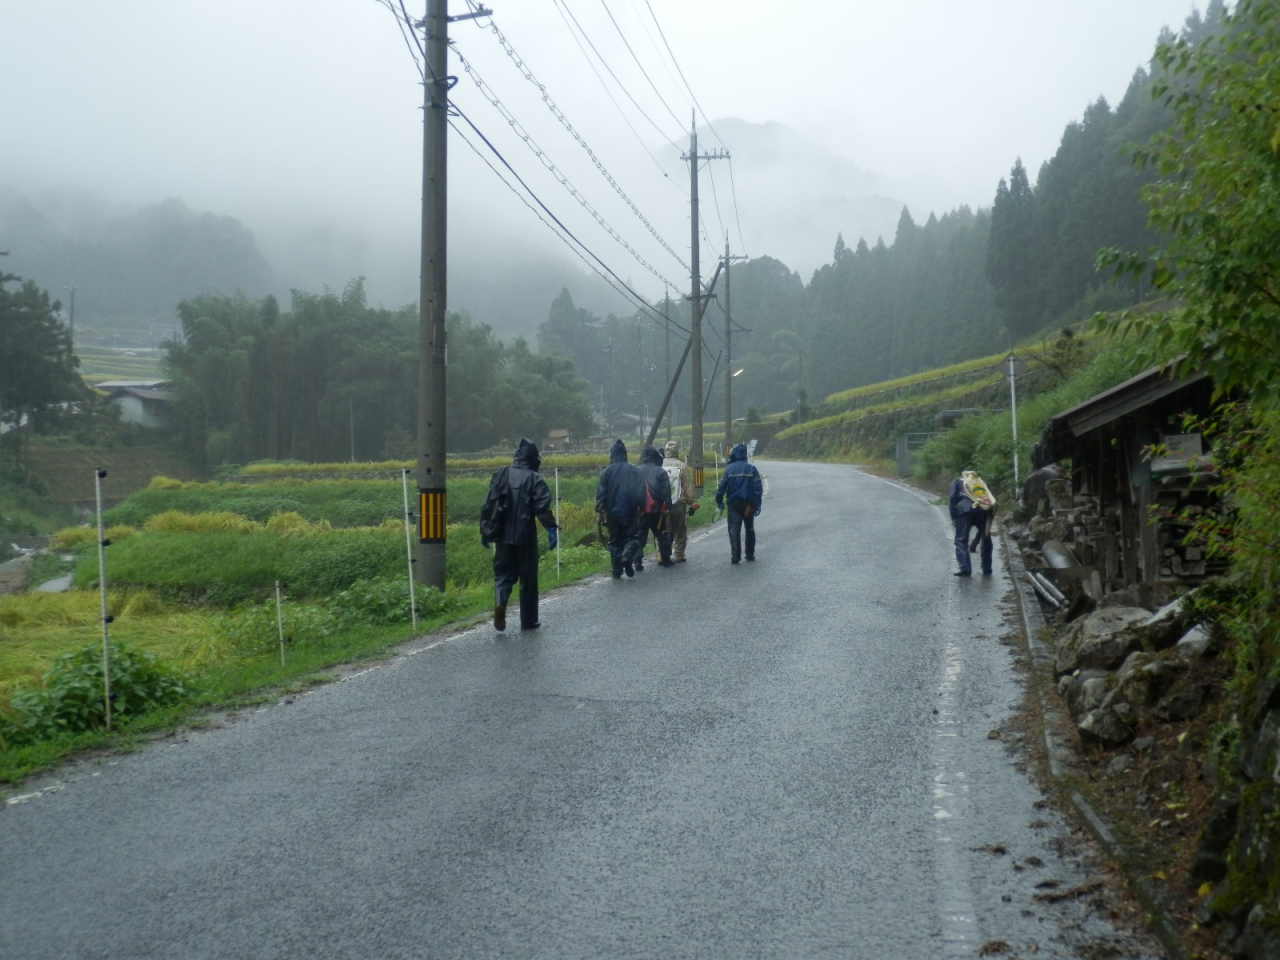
x: 688, y: 347
x: 728, y: 351
x: 666, y: 312
x: 432, y: 353
x: 431, y: 300
x: 1015, y: 365
x: 71, y: 317
x: 698, y: 305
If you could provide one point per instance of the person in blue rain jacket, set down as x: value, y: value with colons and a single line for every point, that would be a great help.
x: 741, y: 495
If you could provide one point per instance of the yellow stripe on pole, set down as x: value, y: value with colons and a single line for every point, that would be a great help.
x: 431, y: 516
x: 697, y: 477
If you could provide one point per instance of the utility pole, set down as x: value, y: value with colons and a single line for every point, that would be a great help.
x: 1015, y: 365
x: 432, y: 355
x: 666, y: 313
x: 431, y: 300
x: 728, y: 351
x: 688, y: 347
x: 698, y: 304
x: 72, y: 316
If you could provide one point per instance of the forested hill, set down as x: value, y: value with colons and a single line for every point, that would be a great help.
x: 130, y: 267
x: 956, y: 286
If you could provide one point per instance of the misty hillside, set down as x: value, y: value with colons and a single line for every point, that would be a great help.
x: 794, y: 196
x: 132, y: 265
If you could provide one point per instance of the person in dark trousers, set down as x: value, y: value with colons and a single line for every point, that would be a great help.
x: 515, y: 551
x: 743, y: 491
x: 619, y: 500
x: 971, y: 508
x: 682, y: 503
x: 657, y: 519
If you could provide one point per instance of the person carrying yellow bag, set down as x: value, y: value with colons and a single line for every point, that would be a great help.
x: 972, y: 507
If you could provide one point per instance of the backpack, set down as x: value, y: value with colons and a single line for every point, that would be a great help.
x: 650, y: 504
x: 493, y: 512
x: 976, y: 490
x: 673, y: 474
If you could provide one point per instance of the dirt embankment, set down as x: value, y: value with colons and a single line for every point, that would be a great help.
x: 65, y: 470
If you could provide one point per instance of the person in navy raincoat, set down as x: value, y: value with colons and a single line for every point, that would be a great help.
x: 741, y: 492
x: 515, y: 552
x: 619, y: 500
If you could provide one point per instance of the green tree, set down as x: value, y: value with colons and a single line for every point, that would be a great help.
x: 1217, y: 202
x: 37, y: 365
x: 1013, y: 260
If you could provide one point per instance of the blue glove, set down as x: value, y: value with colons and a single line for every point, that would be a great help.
x: 719, y: 504
x: 553, y: 537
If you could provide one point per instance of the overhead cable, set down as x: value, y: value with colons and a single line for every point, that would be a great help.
x: 643, y: 71
x: 558, y: 222
x: 564, y: 121
x: 563, y: 6
x: 550, y: 165
x: 693, y: 96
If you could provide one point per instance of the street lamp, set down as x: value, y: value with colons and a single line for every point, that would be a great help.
x: 1014, y: 370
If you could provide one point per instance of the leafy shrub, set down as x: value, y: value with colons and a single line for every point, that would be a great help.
x: 292, y: 524
x: 385, y: 601
x: 175, y: 521
x: 574, y: 516
x: 69, y: 698
x: 252, y: 629
x: 70, y: 537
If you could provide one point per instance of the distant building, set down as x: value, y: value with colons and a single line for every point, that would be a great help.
x: 558, y: 440
x: 144, y: 402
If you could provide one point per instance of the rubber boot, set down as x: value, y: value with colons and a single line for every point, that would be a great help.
x: 500, y: 597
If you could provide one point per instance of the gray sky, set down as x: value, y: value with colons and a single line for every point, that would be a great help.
x: 302, y: 116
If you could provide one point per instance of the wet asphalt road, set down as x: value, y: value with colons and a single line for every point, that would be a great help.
x: 782, y: 759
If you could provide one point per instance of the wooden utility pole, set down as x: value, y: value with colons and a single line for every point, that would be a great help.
x: 698, y: 305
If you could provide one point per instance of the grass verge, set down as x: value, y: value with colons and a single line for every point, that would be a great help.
x: 222, y: 673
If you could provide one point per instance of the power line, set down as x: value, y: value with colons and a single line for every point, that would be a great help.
x: 652, y: 42
x: 564, y: 121
x: 403, y: 34
x: 692, y: 95
x: 566, y: 231
x: 620, y: 286
x: 564, y: 6
x: 710, y: 125
x: 734, y: 187
x: 609, y: 93
x: 643, y: 71
x: 550, y: 165
x: 715, y: 196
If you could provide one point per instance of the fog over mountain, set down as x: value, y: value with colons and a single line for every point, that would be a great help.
x: 131, y: 264
x: 292, y: 131
x: 794, y: 195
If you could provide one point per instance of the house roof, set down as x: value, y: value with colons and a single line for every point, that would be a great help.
x: 1105, y: 408
x: 109, y: 385
x: 139, y: 392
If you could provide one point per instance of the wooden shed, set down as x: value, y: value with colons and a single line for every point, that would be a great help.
x: 1137, y: 478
